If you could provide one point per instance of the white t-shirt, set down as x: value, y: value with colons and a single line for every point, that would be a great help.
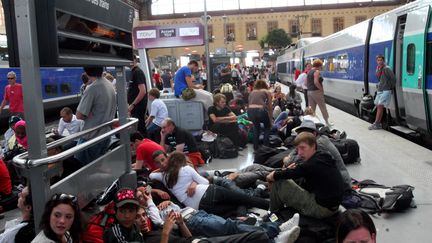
x: 72, y: 127
x: 301, y: 80
x: 186, y: 175
x: 315, y: 119
x: 10, y: 232
x: 159, y: 111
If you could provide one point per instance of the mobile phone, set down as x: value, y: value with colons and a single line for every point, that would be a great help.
x: 148, y: 189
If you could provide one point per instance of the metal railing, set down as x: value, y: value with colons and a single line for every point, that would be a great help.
x: 22, y: 160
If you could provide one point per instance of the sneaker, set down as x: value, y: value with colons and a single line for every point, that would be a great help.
x: 291, y: 223
x: 289, y: 236
x: 375, y: 126
x: 262, y: 187
x: 261, y: 182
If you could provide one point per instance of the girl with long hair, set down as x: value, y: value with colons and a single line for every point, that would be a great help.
x: 195, y: 191
x: 61, y: 220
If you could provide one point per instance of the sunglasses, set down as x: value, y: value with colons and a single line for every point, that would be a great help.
x: 10, y: 78
x: 61, y: 197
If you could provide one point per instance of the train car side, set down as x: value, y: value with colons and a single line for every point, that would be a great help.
x: 60, y: 86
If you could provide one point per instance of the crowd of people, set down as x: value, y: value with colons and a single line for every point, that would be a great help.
x: 183, y: 204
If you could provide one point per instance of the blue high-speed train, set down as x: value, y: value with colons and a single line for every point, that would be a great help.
x: 404, y: 37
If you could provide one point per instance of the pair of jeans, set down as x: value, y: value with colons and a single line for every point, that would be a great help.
x: 210, y: 225
x: 152, y: 128
x: 258, y: 116
x: 87, y: 156
x: 219, y: 200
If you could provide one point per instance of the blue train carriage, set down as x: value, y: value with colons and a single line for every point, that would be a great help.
x: 343, y: 55
x: 292, y: 58
x: 404, y: 36
x: 60, y: 86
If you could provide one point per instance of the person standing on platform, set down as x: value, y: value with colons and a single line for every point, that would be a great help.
x: 301, y: 82
x: 167, y: 80
x: 13, y: 95
x: 97, y: 106
x: 137, y: 96
x: 260, y: 111
x: 316, y: 90
x: 236, y: 75
x: 386, y: 83
x: 183, y: 78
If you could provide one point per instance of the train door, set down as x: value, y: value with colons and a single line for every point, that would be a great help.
x: 399, y: 99
x: 413, y: 68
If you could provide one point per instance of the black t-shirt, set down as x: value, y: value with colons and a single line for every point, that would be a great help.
x: 180, y: 136
x: 26, y: 234
x: 218, y: 113
x: 138, y: 78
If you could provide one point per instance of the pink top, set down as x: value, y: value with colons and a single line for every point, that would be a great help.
x: 14, y: 95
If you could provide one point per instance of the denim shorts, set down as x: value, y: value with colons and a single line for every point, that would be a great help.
x: 383, y: 98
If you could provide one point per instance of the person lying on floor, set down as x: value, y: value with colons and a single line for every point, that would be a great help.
x: 177, y: 176
x: 201, y: 223
x: 321, y: 193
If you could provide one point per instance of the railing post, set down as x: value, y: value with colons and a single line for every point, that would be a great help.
x: 33, y: 107
x: 129, y: 178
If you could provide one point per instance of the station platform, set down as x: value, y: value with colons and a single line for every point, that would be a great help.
x: 385, y: 158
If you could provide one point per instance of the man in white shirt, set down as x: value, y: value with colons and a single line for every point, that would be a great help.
x: 301, y: 82
x: 68, y: 122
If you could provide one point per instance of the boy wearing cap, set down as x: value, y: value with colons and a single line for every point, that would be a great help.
x: 125, y: 229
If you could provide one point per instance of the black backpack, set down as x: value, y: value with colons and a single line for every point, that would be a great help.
x: 376, y: 198
x: 348, y: 149
x: 263, y: 153
x: 223, y: 148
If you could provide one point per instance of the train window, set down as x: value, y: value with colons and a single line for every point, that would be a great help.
x: 411, y: 59
x: 330, y: 65
x: 51, y: 89
x: 66, y: 88
x: 342, y: 63
x: 428, y: 60
x: 282, y: 67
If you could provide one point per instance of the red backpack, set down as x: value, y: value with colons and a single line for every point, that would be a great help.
x: 98, y: 223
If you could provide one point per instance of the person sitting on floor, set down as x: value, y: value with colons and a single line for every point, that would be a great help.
x: 21, y: 134
x: 144, y: 149
x: 310, y: 115
x: 24, y: 231
x: 223, y: 121
x: 68, y: 122
x: 9, y: 135
x: 124, y: 229
x: 177, y: 176
x: 5, y: 186
x: 322, y: 192
x: 355, y: 225
x: 174, y: 138
x: 61, y: 220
